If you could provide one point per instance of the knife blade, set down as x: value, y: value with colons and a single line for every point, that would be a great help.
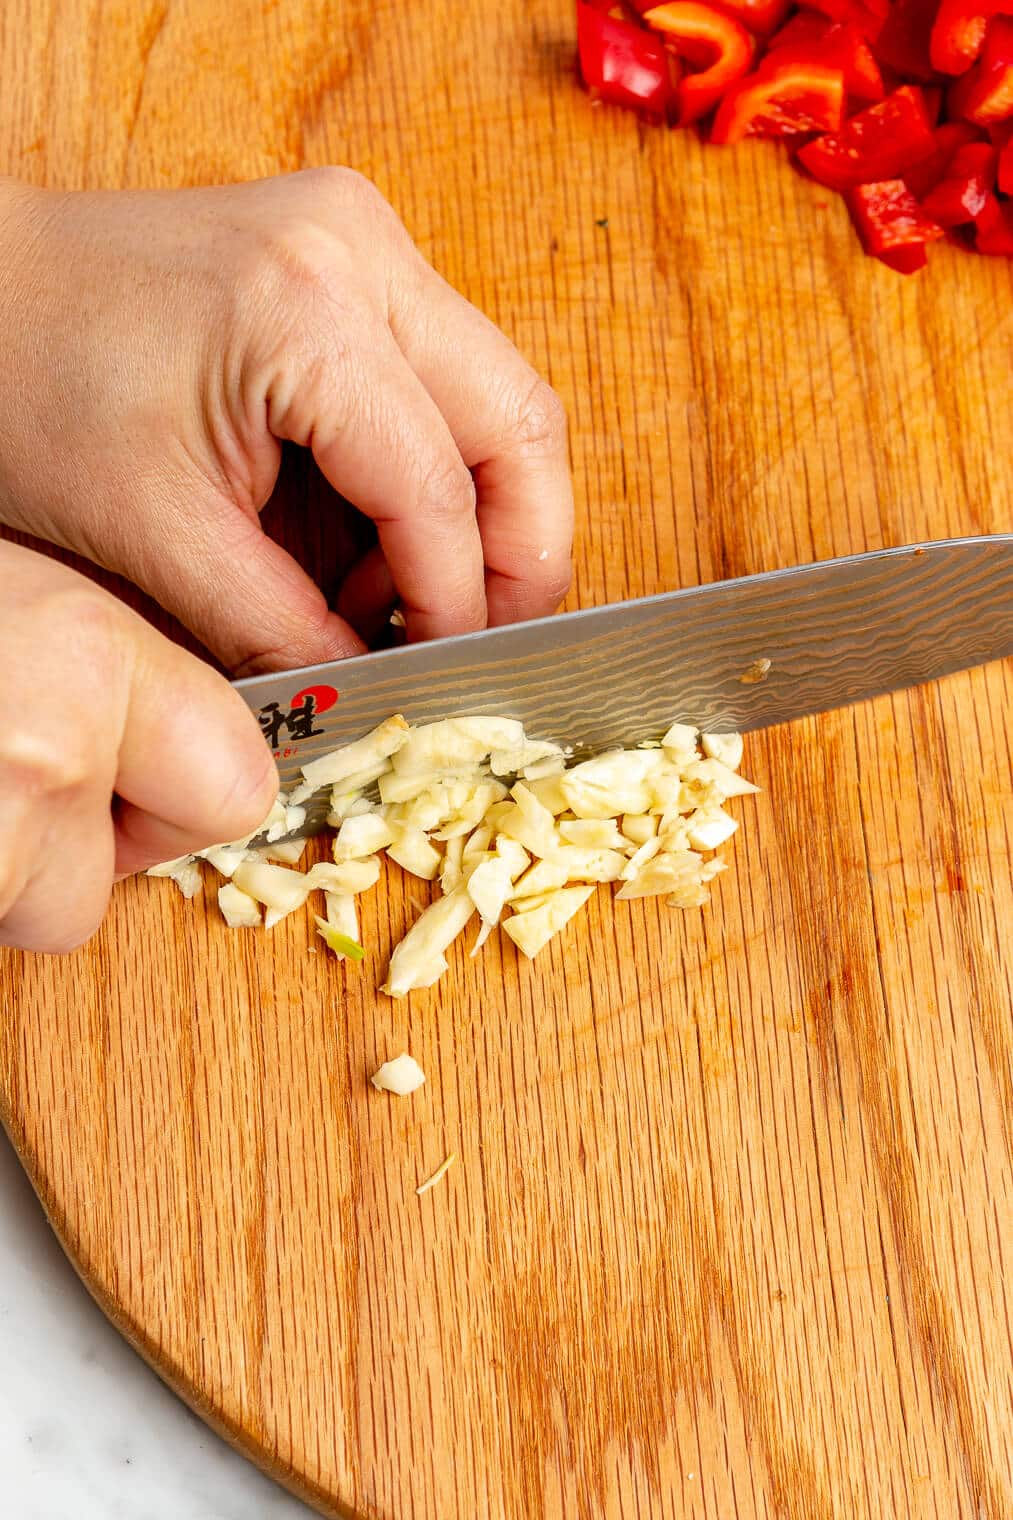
x: 735, y: 654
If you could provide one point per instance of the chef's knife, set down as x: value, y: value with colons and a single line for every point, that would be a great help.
x: 738, y: 654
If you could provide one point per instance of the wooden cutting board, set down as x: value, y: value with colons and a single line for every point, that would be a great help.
x: 730, y: 1229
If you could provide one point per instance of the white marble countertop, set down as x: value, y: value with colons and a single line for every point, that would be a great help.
x: 86, y: 1428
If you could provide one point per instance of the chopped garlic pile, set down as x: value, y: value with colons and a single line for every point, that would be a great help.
x: 526, y: 855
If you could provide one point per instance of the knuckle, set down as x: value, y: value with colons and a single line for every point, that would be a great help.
x: 298, y: 257
x: 447, y: 489
x: 540, y: 422
x: 365, y: 213
x: 84, y: 615
x: 294, y: 641
x: 343, y: 184
x: 38, y: 766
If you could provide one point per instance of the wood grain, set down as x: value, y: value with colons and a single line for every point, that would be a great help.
x: 730, y: 1229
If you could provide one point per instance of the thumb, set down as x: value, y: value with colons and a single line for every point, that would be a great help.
x: 192, y: 766
x: 245, y: 598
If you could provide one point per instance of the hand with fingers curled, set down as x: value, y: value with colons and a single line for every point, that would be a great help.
x: 159, y: 349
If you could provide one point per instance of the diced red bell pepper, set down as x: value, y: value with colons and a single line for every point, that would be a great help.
x: 906, y: 260
x: 877, y: 144
x: 1005, y: 178
x: 922, y: 177
x: 781, y: 100
x: 964, y: 190
x: 903, y: 41
x: 811, y: 35
x: 994, y: 228
x: 624, y: 64
x: 759, y: 17
x: 985, y: 93
x: 866, y: 16
x: 958, y: 33
x: 932, y: 95
x: 890, y: 221
x: 704, y: 35
x: 617, y: 9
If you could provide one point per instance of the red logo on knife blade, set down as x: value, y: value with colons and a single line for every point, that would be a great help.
x: 297, y: 719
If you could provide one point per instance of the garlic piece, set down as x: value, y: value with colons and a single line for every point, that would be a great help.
x: 279, y: 889
x: 532, y: 931
x: 549, y: 791
x: 680, y: 743
x: 454, y: 743
x: 544, y: 876
x: 224, y: 857
x: 673, y: 871
x: 342, y: 917
x: 489, y: 887
x: 638, y: 828
x: 451, y: 873
x: 384, y: 741
x: 477, y: 843
x: 347, y: 878
x: 423, y: 946
x: 440, y: 1172
x: 725, y: 781
x: 640, y: 857
x: 239, y: 909
x: 362, y: 836
x: 592, y: 833
x: 184, y: 871
x: 724, y: 747
x: 611, y: 784
x: 413, y: 852
x: 403, y: 1075
x: 710, y: 829
x: 531, y: 752
x: 515, y: 855
x: 531, y: 824
x: 288, y: 851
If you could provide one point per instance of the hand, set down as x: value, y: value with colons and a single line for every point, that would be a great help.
x: 155, y: 348
x: 97, y: 703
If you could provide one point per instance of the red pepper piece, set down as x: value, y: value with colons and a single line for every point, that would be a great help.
x: 877, y: 144
x: 889, y: 219
x: 760, y: 16
x: 994, y: 228
x: 866, y: 16
x: 837, y: 44
x: 963, y: 192
x: 905, y: 260
x: 903, y: 42
x: 703, y: 34
x: 1005, y: 179
x: 623, y: 64
x: 985, y: 93
x: 932, y: 95
x: 923, y: 177
x: 958, y: 34
x: 781, y: 100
